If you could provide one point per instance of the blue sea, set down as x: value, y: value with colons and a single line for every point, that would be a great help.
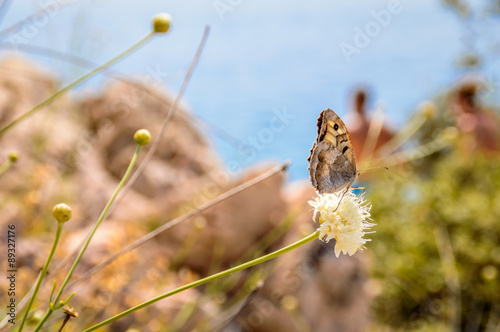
x: 270, y: 67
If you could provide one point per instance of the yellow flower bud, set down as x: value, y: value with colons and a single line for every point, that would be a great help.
x: 61, y: 212
x: 13, y: 157
x: 142, y: 137
x: 489, y: 272
x: 450, y: 134
x: 200, y: 223
x: 161, y: 22
x: 428, y: 109
x: 289, y: 302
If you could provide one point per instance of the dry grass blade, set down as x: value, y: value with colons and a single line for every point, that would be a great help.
x: 169, y: 117
x: 402, y: 136
x: 415, y: 153
x: 4, y: 8
x: 180, y: 219
x: 18, y: 25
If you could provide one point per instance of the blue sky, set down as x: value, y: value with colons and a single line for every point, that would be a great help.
x: 265, y: 57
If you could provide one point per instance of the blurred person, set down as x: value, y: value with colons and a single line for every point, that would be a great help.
x: 479, y: 125
x: 358, y: 124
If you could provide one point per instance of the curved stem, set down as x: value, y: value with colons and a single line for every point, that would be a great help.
x: 82, y: 251
x: 5, y: 166
x: 76, y: 83
x: 208, y: 279
x: 42, y: 275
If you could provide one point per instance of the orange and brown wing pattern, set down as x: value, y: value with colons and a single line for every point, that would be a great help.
x: 332, y: 165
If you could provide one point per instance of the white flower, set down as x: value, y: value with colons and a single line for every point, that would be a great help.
x: 346, y: 222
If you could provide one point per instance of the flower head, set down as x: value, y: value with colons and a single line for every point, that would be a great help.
x: 428, y: 109
x: 161, y: 22
x: 13, y: 156
x: 142, y: 137
x: 61, y: 212
x: 70, y: 311
x: 343, y: 217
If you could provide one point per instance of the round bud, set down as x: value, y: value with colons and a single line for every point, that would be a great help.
x: 61, y: 212
x: 450, y: 134
x: 161, y: 22
x: 489, y: 272
x: 289, y: 302
x: 13, y: 156
x: 142, y: 137
x: 428, y: 109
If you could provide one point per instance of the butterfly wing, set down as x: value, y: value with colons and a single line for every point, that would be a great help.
x: 332, y: 165
x: 330, y: 170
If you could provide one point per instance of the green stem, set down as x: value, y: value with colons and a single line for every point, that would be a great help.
x: 207, y: 279
x: 42, y: 275
x: 82, y: 251
x: 5, y: 166
x: 77, y: 82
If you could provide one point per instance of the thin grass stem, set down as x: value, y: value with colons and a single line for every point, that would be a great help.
x: 42, y: 275
x: 76, y: 82
x: 227, y: 272
x: 89, y: 238
x: 5, y: 166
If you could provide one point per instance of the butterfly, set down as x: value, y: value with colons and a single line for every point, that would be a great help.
x: 332, y: 165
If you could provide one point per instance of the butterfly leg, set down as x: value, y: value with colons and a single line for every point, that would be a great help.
x: 341, y: 198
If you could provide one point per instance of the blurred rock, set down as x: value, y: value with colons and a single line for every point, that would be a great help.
x: 228, y: 230
x: 183, y: 157
x: 42, y: 141
x: 22, y: 86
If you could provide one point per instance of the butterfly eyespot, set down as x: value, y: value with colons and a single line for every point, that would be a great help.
x: 332, y: 165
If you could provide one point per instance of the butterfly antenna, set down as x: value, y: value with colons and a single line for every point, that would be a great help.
x: 373, y: 168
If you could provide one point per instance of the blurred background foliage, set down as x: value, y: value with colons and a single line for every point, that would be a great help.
x: 436, y: 250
